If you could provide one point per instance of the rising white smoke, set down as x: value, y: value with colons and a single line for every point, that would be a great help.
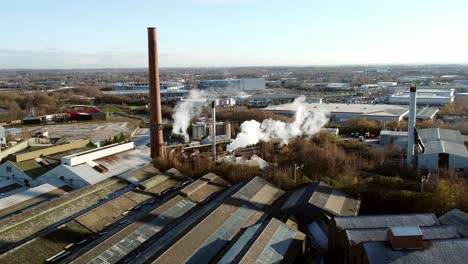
x: 305, y: 124
x: 186, y: 110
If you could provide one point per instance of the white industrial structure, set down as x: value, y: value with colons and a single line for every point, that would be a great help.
x: 411, y: 126
x: 442, y: 148
x: 77, y: 170
x: 339, y: 86
x: 2, y: 136
x: 425, y: 97
x: 250, y: 84
x: 387, y: 84
x: 343, y: 112
x: 203, y: 129
x: 94, y: 154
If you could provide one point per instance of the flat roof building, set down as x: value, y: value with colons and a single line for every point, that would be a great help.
x: 424, y: 97
x: 250, y: 84
x: 343, y: 112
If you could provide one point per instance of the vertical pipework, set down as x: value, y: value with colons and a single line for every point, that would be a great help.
x: 157, y: 144
x: 411, y: 126
x: 213, y: 134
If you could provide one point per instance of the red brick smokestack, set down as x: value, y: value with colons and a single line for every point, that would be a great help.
x: 157, y: 144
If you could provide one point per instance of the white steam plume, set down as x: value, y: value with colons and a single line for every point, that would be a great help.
x: 186, y: 110
x: 305, y: 124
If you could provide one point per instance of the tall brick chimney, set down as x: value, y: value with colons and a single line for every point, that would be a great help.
x: 156, y: 126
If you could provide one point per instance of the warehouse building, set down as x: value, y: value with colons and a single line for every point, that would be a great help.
x: 343, y: 112
x: 233, y: 84
x: 442, y: 148
x: 424, y: 97
x: 89, y: 167
x: 264, y: 100
x: 145, y: 216
x: 26, y: 166
x: 348, y: 236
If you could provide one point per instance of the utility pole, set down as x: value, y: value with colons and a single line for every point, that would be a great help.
x: 296, y: 168
x: 424, y: 180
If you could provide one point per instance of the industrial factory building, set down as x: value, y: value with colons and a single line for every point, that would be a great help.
x: 233, y: 84
x: 264, y: 100
x: 424, y: 97
x: 343, y: 112
x: 145, y: 216
x: 153, y: 218
x: 412, y: 238
x: 442, y: 148
x: 75, y: 164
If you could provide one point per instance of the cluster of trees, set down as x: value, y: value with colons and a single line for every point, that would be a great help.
x: 456, y: 108
x: 18, y: 105
x: 116, y: 139
x: 131, y: 99
x: 350, y: 166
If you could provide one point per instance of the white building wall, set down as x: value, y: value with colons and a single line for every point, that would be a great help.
x: 9, y: 170
x: 62, y: 172
x: 76, y: 159
x: 2, y: 136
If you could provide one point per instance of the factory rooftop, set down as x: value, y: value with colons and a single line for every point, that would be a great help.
x: 311, y: 201
x: 458, y: 219
x: 342, y: 112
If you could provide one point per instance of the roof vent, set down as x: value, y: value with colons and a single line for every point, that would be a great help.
x: 408, y: 237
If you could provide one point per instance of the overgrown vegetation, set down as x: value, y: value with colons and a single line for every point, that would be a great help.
x: 456, y: 108
x: 350, y: 166
x: 18, y: 105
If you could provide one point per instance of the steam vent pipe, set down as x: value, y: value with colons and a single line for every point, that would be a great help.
x: 213, y: 134
x: 157, y: 144
x: 411, y: 126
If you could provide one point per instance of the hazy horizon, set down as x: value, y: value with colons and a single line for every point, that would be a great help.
x: 232, y: 33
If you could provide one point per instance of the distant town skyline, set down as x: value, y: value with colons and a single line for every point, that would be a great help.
x: 52, y: 34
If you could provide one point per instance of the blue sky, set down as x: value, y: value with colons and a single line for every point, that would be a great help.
x: 95, y: 34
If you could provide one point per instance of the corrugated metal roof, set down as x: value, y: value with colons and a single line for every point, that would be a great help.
x: 276, y: 244
x: 116, y: 164
x: 364, y: 109
x: 445, y: 147
x: 394, y: 133
x: 29, y: 193
x: 379, y: 221
x: 258, y: 192
x: 451, y: 251
x: 144, y: 232
x: 436, y: 134
x: 317, y: 233
x: 356, y: 236
x: 426, y: 112
x: 321, y: 196
x: 458, y: 219
x: 156, y: 249
x: 247, y: 237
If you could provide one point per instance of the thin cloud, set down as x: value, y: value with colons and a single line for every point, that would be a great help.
x: 217, y: 2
